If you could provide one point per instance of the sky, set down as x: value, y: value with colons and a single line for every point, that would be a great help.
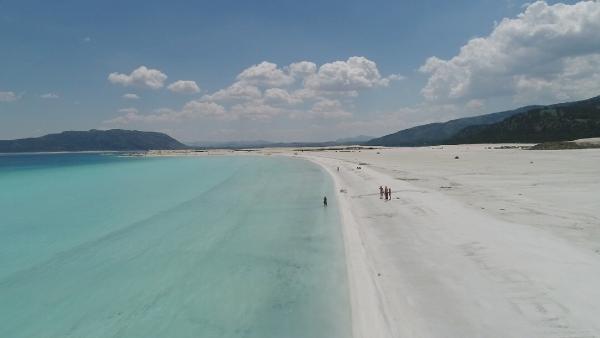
x: 286, y: 70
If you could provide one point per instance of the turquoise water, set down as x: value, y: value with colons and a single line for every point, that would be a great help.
x: 107, y: 246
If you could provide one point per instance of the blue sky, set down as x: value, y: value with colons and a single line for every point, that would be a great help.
x: 368, y: 67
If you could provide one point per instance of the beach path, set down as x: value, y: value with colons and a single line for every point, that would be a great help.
x: 427, y: 265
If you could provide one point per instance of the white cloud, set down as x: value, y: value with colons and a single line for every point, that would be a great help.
x: 141, y: 77
x: 396, y: 77
x: 354, y: 74
x: 278, y: 95
x: 302, y: 82
x: 579, y: 78
x: 329, y: 109
x: 255, y: 110
x: 264, y: 91
x: 198, y: 109
x: 184, y: 87
x: 265, y: 74
x: 237, y: 91
x: 548, y: 51
x: 49, y: 96
x: 302, y: 69
x: 8, y: 97
x: 130, y: 96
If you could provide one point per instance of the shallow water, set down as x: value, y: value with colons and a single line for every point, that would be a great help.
x: 106, y: 246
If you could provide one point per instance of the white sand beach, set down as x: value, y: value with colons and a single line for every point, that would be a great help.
x: 477, y: 241
x: 495, y: 243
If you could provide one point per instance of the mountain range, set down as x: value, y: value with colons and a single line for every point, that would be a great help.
x: 531, y: 124
x: 93, y: 140
x: 559, y: 122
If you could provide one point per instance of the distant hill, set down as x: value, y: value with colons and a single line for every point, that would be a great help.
x: 559, y: 122
x: 93, y: 140
x: 439, y: 133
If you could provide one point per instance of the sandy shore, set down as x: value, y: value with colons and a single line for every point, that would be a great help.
x: 496, y: 243
x: 476, y: 242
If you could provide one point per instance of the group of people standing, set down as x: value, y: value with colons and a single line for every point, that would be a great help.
x: 385, y: 192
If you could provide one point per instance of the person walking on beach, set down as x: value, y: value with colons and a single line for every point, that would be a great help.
x: 324, y: 201
x: 386, y: 192
x: 390, y: 194
x: 380, y: 192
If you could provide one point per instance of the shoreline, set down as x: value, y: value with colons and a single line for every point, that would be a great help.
x: 368, y: 317
x: 476, y: 242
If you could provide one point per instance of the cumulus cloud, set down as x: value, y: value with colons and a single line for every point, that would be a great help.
x: 548, y: 51
x: 278, y: 95
x: 184, y: 87
x: 237, y: 91
x: 329, y: 109
x: 301, y: 90
x: 140, y: 77
x: 354, y: 74
x: 304, y: 80
x: 302, y: 69
x: 8, y: 97
x: 130, y: 96
x: 49, y: 96
x: 197, y: 109
x: 265, y: 74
